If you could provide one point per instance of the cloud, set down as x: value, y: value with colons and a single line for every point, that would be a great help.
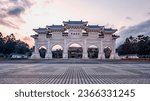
x: 15, y: 1
x: 141, y: 28
x: 48, y: 1
x: 109, y: 25
x: 2, y: 15
x: 148, y: 13
x: 8, y: 24
x: 128, y: 18
x: 27, y: 38
x: 122, y: 28
x: 24, y: 3
x: 11, y: 11
x: 16, y: 11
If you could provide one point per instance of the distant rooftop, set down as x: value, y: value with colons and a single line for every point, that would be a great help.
x: 55, y: 26
x: 110, y: 30
x: 75, y: 22
x: 41, y: 30
x: 94, y: 26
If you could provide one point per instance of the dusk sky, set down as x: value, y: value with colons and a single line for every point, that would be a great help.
x: 21, y: 16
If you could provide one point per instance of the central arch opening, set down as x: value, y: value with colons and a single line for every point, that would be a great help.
x: 57, y: 51
x: 92, y: 52
x: 75, y: 51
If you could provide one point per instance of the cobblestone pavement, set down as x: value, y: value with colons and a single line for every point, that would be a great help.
x: 41, y: 73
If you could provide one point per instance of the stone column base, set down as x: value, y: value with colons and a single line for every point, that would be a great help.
x: 48, y: 56
x: 114, y: 56
x: 65, y: 55
x: 117, y: 56
x: 35, y: 56
x: 85, y: 56
x: 101, y: 56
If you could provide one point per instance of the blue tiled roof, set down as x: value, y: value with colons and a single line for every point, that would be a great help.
x: 44, y: 29
x: 55, y: 26
x: 75, y: 22
x: 109, y: 29
x: 41, y: 30
x: 94, y: 26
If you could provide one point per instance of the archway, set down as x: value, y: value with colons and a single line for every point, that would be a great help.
x: 92, y: 52
x: 42, y: 51
x: 107, y: 52
x: 75, y: 51
x: 57, y: 51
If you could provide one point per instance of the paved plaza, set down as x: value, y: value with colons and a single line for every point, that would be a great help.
x: 104, y: 72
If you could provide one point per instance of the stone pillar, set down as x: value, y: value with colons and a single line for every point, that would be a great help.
x: 65, y: 55
x: 99, y: 50
x: 65, y: 51
x: 49, y: 52
x: 113, y: 50
x: 115, y: 54
x: 35, y: 54
x: 35, y: 47
x: 102, y: 50
x: 99, y: 55
x: 85, y: 54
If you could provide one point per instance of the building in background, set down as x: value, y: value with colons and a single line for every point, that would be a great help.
x: 75, y: 39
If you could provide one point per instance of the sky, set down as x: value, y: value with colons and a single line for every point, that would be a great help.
x: 20, y: 17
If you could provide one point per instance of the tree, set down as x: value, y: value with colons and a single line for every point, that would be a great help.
x: 128, y: 47
x: 1, y: 43
x: 143, y: 45
x: 139, y: 45
x: 9, y: 45
x: 107, y: 52
x: 21, y: 47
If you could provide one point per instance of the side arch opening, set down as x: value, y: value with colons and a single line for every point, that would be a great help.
x: 107, y: 52
x: 42, y: 51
